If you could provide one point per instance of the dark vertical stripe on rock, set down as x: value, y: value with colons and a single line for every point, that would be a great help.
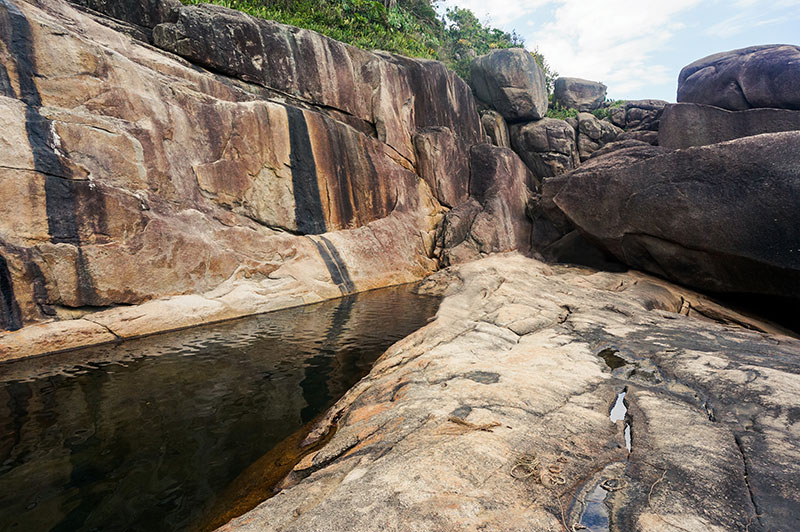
x: 59, y: 194
x: 336, y: 266
x: 5, y: 83
x: 60, y: 189
x: 308, y: 213
x: 10, y: 316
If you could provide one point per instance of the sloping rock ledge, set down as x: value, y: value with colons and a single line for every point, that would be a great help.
x: 523, y: 366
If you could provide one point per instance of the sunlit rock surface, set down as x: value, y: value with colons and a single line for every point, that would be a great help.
x: 143, y: 193
x: 522, y: 366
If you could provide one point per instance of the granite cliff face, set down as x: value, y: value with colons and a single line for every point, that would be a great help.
x: 276, y: 167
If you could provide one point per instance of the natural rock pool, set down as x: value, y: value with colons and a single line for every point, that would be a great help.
x: 148, y: 435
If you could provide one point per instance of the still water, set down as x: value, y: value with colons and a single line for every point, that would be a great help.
x: 148, y: 434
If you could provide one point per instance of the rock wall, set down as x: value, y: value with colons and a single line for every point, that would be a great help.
x: 143, y: 193
x: 394, y: 95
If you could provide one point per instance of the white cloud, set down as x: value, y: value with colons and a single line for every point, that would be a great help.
x: 618, y: 41
x: 496, y: 12
x: 613, y: 43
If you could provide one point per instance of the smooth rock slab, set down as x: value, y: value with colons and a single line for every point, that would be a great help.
x: 689, y: 124
x: 511, y: 368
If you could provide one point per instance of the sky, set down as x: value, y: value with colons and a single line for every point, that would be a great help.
x: 637, y: 47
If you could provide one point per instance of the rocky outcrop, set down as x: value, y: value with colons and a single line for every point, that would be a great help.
x: 496, y: 128
x: 514, y: 410
x: 689, y: 124
x: 512, y: 82
x: 638, y: 114
x: 593, y: 134
x: 547, y: 146
x: 394, y: 96
x: 580, y: 94
x: 494, y: 219
x: 143, y: 193
x: 748, y: 78
x: 648, y: 137
x: 718, y: 217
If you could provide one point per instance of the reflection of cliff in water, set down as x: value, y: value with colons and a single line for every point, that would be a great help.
x: 149, y: 432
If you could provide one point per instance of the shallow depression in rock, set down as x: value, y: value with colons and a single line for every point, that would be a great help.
x: 150, y: 433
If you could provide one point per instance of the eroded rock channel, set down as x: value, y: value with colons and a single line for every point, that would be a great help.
x: 165, y: 433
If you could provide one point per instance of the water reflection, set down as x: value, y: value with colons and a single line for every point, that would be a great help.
x: 146, y: 434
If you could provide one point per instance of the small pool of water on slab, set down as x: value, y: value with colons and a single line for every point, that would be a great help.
x: 148, y: 434
x: 619, y: 413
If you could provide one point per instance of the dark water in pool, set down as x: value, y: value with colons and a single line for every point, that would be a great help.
x: 147, y: 435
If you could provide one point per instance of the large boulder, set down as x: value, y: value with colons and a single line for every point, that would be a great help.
x: 593, y: 134
x: 690, y: 124
x: 748, y: 78
x: 391, y: 96
x: 580, y: 94
x: 547, y: 146
x: 494, y: 219
x: 722, y: 217
x: 512, y: 82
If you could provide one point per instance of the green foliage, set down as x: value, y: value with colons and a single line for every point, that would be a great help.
x: 550, y: 75
x: 561, y: 113
x: 601, y: 113
x: 464, y: 38
x: 410, y: 27
x: 363, y: 23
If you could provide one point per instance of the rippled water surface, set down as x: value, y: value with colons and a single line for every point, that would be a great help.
x: 148, y: 434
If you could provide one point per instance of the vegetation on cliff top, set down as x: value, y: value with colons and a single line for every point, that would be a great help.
x: 408, y: 27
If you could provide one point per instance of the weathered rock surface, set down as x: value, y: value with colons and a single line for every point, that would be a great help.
x: 496, y: 128
x: 593, y: 134
x: 394, y: 95
x: 753, y: 77
x: 548, y: 146
x: 512, y: 83
x: 641, y: 135
x: 443, y: 163
x: 719, y: 217
x: 144, y: 13
x: 580, y: 94
x: 516, y: 378
x: 689, y: 124
x: 638, y: 114
x: 494, y: 219
x: 142, y: 193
